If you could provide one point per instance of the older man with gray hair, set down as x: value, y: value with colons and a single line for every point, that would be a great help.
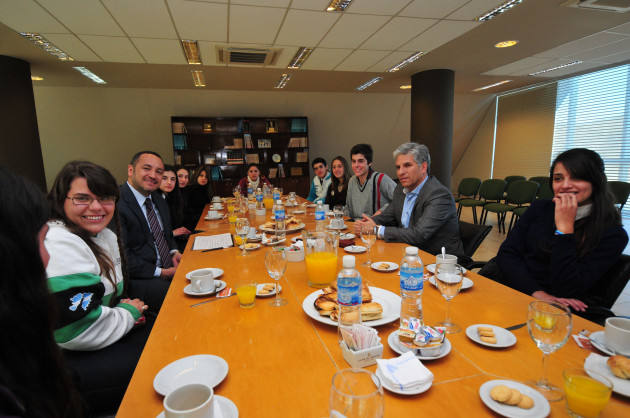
x: 423, y: 211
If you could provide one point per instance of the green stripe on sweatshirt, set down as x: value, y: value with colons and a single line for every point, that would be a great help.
x: 61, y: 283
x: 71, y: 331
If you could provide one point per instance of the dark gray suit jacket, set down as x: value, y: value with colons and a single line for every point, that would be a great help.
x: 433, y: 223
x: 137, y: 238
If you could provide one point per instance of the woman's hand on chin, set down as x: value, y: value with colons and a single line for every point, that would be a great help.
x: 575, y: 304
x: 566, y: 209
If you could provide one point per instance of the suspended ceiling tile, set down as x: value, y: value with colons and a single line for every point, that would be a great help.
x: 113, y: 49
x: 325, y: 58
x: 352, y: 30
x: 520, y: 65
x: 209, y: 54
x: 623, y: 29
x: 285, y: 55
x: 361, y: 60
x: 161, y: 51
x: 569, y: 70
x: 28, y: 16
x: 543, y: 66
x: 615, y: 58
x: 377, y: 7
x: 83, y: 17
x: 431, y: 8
x: 257, y: 25
x: 72, y: 46
x: 474, y: 9
x: 586, y: 43
x: 397, y: 32
x: 318, y: 5
x: 142, y: 18
x: 389, y: 61
x: 439, y: 34
x: 270, y: 3
x: 200, y: 20
x: 602, y: 51
x: 305, y: 28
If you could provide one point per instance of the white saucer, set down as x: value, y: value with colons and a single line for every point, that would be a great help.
x: 257, y: 239
x: 466, y: 283
x: 218, y: 286
x: 504, y: 337
x: 344, y: 226
x: 392, y: 340
x: 541, y: 406
x: 599, y: 342
x: 355, y: 249
x: 392, y: 266
x: 254, y: 248
x: 431, y: 268
x: 413, y: 391
x: 223, y: 408
x: 265, y: 295
x: 202, y: 368
x: 218, y: 218
x: 299, y: 212
x: 215, y: 272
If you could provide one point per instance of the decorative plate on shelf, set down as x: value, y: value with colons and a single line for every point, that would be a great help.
x: 276, y: 158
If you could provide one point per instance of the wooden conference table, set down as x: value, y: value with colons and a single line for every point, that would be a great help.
x: 281, y: 362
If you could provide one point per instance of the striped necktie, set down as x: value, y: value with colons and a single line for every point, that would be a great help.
x: 158, y: 235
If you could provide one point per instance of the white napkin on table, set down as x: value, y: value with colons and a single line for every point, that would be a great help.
x: 404, y: 372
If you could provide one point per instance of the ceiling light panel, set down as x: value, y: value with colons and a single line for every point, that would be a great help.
x: 352, y: 30
x: 406, y: 61
x: 406, y: 87
x: 492, y: 85
x: 84, y: 17
x: 72, y: 46
x: 396, y: 32
x: 254, y: 25
x: 502, y: 8
x: 137, y: 23
x: 191, y: 51
x: 198, y: 78
x: 338, y: 5
x: 473, y: 9
x: 505, y: 44
x: 200, y: 20
x: 557, y: 67
x: 389, y: 61
x: 284, y: 79
x: 113, y: 49
x: 302, y: 27
x: 47, y: 46
x: 361, y: 60
x: 369, y: 83
x: 300, y: 57
x: 36, y: 78
x: 89, y: 74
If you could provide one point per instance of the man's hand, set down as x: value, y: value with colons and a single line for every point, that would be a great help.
x: 177, y: 256
x: 181, y: 231
x: 167, y: 274
x: 363, y: 223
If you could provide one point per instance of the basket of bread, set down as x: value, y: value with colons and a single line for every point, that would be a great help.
x: 326, y: 304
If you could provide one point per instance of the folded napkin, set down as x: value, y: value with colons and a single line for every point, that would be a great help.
x: 404, y: 372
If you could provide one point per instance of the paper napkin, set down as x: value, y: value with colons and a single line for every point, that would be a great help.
x: 404, y: 372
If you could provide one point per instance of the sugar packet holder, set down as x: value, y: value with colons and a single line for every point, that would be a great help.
x: 362, y: 358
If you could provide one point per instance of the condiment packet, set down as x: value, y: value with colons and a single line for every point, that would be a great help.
x: 225, y: 292
x: 359, y: 337
x: 583, y: 342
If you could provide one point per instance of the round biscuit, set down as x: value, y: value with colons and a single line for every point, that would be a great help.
x: 526, y: 402
x: 500, y: 393
x: 515, y: 397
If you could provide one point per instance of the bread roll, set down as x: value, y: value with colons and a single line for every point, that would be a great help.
x: 620, y: 366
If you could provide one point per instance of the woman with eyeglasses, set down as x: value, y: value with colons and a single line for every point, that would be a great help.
x: 87, y: 275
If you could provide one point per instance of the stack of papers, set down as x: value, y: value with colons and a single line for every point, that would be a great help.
x: 405, y: 372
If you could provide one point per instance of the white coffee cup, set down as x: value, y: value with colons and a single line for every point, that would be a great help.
x: 445, y: 259
x: 252, y: 233
x: 217, y: 205
x: 216, y: 199
x: 326, y: 208
x: 190, y: 401
x: 617, y: 335
x: 213, y: 214
x: 202, y: 281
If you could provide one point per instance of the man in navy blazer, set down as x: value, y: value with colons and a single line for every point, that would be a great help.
x: 423, y: 211
x: 149, y: 274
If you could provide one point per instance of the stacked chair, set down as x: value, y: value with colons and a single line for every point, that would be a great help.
x: 520, y: 193
x: 472, y: 236
x: 544, y: 192
x: 508, y: 181
x: 620, y: 190
x: 467, y: 189
x: 491, y: 190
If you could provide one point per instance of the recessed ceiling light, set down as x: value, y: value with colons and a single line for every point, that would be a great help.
x: 505, y: 44
x: 36, y: 78
x: 43, y: 43
x: 198, y: 78
x: 191, y: 51
x: 406, y: 61
x: 284, y: 79
x: 492, y: 85
x: 369, y: 83
x: 556, y: 68
x: 498, y: 10
x: 89, y: 74
x: 406, y: 87
x: 338, y: 5
x: 300, y: 56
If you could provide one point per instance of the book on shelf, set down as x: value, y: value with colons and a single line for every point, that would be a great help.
x: 298, y: 125
x: 209, y: 159
x: 178, y: 159
x: 301, y: 157
x: 273, y: 173
x: 179, y: 128
x: 281, y: 171
x: 248, y: 141
x: 251, y: 158
x: 296, y: 171
x: 215, y: 173
x: 179, y: 142
x: 237, y: 144
x: 298, y: 142
x: 264, y: 143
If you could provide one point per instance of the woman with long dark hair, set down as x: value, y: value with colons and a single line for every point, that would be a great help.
x: 253, y: 180
x: 33, y: 379
x: 338, y: 189
x: 88, y: 277
x: 199, y: 193
x: 171, y: 193
x: 560, y: 248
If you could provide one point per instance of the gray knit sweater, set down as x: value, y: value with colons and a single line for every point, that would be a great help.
x: 367, y: 200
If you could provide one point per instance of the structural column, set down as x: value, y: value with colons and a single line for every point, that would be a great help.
x: 432, y: 93
x: 20, y: 149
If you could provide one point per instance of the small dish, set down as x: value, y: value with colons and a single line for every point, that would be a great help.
x: 299, y: 212
x: 203, y: 368
x: 215, y: 272
x: 541, y: 406
x: 344, y: 226
x: 431, y: 268
x: 257, y: 239
x: 223, y: 408
x: 598, y: 364
x: 346, y: 235
x: 599, y: 342
x: 355, y: 249
x: 266, y: 295
x: 218, y: 218
x: 392, y: 266
x: 466, y: 283
x: 270, y: 243
x: 218, y: 286
x: 393, y: 341
x: 250, y: 247
x: 311, y: 205
x: 330, y: 213
x: 504, y: 337
x: 423, y: 387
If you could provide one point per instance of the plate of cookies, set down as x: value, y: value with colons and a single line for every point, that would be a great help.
x: 513, y: 399
x: 264, y: 290
x: 491, y: 335
x: 384, y: 266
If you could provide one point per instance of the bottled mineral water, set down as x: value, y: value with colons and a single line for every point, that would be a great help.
x: 259, y: 199
x: 349, y: 295
x: 279, y: 213
x: 320, y: 216
x: 411, y: 285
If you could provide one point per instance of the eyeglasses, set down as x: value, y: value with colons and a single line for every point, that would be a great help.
x: 87, y: 200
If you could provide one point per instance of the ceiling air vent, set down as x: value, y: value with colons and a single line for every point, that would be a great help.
x: 246, y: 56
x: 619, y: 6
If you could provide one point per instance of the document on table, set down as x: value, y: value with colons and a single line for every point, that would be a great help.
x: 212, y: 242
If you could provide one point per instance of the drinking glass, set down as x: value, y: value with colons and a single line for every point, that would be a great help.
x: 356, y: 393
x: 549, y: 325
x: 368, y: 237
x: 449, y: 278
x: 276, y: 263
x: 236, y: 191
x: 338, y: 212
x: 587, y: 392
x: 243, y: 205
x: 242, y: 229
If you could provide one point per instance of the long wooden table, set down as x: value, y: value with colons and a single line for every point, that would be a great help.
x: 281, y: 362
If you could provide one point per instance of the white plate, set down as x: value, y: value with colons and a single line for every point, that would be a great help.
x: 431, y: 268
x: 355, y: 249
x: 388, y: 300
x: 344, y: 226
x: 219, y: 286
x: 299, y: 212
x: 597, y: 363
x: 223, y: 408
x: 288, y: 231
x: 330, y: 213
x: 254, y: 248
x: 392, y: 266
x: 264, y: 295
x: 541, y: 406
x: 413, y: 391
x: 257, y: 239
x: 215, y: 272
x: 598, y: 341
x: 311, y: 205
x: 392, y: 340
x: 504, y: 337
x: 270, y: 243
x: 346, y: 235
x: 466, y: 283
x: 203, y: 368
x: 214, y: 219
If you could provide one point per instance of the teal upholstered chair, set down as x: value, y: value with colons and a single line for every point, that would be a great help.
x: 467, y: 189
x: 520, y: 193
x: 491, y: 190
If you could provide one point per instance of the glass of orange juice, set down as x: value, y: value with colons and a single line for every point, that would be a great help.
x: 586, y: 393
x: 321, y: 257
x: 232, y: 216
x: 268, y: 202
x: 246, y: 293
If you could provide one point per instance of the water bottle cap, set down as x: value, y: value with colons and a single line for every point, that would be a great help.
x: 411, y: 250
x: 348, y: 261
x: 278, y: 202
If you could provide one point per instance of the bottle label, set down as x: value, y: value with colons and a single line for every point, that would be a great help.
x: 349, y: 295
x: 411, y: 279
x: 250, y: 190
x: 259, y: 197
x: 320, y: 215
x: 280, y: 215
x: 276, y: 195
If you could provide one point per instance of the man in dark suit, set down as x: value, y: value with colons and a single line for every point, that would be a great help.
x: 423, y: 211
x: 147, y: 235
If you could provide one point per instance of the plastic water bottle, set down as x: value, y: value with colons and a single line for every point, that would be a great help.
x: 250, y: 188
x: 276, y: 194
x: 320, y: 216
x: 349, y: 295
x: 281, y: 232
x: 411, y: 285
x: 259, y: 199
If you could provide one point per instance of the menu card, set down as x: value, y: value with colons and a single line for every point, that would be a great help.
x: 211, y: 242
